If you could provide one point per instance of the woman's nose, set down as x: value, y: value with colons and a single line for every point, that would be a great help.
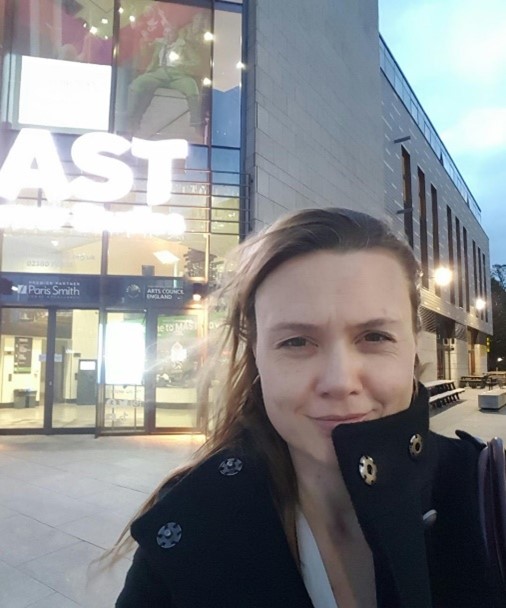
x: 340, y: 371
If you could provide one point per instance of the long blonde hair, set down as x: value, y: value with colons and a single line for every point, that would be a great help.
x: 239, y: 405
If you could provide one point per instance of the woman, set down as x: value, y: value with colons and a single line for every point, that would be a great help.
x: 321, y: 484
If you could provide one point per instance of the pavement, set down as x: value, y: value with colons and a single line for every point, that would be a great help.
x: 64, y: 499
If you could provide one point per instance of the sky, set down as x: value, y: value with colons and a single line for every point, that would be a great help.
x: 453, y: 54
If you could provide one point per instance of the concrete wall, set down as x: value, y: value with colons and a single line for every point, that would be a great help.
x: 427, y: 355
x: 313, y: 129
x: 459, y: 360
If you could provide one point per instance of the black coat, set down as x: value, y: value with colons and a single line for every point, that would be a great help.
x: 215, y: 540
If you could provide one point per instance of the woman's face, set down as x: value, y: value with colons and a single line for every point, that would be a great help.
x: 335, y: 345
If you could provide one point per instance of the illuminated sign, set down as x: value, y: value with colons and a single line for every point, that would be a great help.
x: 64, y: 94
x: 33, y: 162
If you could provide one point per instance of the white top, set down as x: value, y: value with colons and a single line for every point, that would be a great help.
x: 313, y: 571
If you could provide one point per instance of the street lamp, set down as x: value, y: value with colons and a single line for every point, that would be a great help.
x: 443, y: 276
x: 480, y: 305
x: 499, y: 359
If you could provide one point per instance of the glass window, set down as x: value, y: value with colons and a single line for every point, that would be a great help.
x: 164, y: 78
x: 225, y: 164
x: 169, y: 256
x: 23, y: 343
x: 61, y: 57
x: 220, y: 247
x: 225, y: 215
x: 178, y: 354
x: 226, y: 90
x: 390, y: 69
x: 42, y: 239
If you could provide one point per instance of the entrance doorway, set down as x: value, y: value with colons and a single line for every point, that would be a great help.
x: 75, y: 370
x: 48, y: 369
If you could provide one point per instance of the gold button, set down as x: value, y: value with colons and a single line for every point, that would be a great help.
x: 415, y: 445
x: 368, y: 470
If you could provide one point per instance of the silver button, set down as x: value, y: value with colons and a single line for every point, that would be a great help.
x: 368, y: 470
x: 169, y: 535
x: 230, y: 466
x: 415, y: 446
x: 429, y: 518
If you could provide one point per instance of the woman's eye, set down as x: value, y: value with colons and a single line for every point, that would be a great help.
x: 297, y: 342
x: 377, y: 337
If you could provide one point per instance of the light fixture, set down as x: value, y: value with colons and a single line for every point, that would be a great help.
x: 173, y: 56
x: 240, y: 65
x: 208, y: 36
x: 499, y: 359
x: 165, y: 256
x: 206, y: 82
x: 443, y: 276
x: 405, y: 210
x: 480, y: 304
x: 131, y: 19
x: 104, y: 21
x: 121, y: 10
x: 399, y: 140
x: 198, y: 292
x: 93, y: 30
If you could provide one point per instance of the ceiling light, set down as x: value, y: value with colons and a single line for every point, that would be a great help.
x: 166, y: 257
x: 208, y: 36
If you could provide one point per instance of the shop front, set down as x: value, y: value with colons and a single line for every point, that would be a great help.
x: 121, y: 193
x: 82, y: 353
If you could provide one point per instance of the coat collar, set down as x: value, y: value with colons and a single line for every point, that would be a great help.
x: 389, y: 494
x: 218, y: 541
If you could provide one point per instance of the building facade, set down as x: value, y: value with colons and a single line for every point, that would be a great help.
x: 140, y: 140
x: 439, y: 217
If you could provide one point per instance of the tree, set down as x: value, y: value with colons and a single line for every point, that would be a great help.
x: 498, y: 341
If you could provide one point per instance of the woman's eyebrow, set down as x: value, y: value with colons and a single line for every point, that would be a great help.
x: 377, y: 322
x: 293, y: 326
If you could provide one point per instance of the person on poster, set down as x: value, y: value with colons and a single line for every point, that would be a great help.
x: 177, y: 63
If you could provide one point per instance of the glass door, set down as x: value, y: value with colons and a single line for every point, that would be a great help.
x: 75, y: 373
x: 23, y: 349
x: 123, y: 370
x: 178, y: 359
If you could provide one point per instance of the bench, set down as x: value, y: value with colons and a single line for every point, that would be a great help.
x: 493, y: 399
x: 441, y: 399
x: 473, y: 381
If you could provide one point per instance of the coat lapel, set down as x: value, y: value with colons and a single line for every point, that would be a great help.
x: 218, y: 540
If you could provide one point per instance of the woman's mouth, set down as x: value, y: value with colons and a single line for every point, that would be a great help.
x: 328, y: 423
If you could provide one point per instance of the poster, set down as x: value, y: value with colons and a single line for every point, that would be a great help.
x: 23, y: 355
x: 177, y: 351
